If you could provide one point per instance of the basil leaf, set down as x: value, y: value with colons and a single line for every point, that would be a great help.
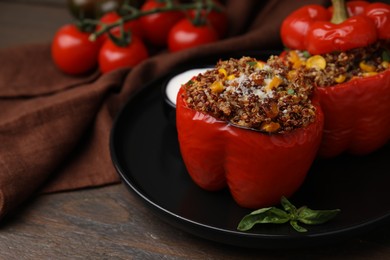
x: 264, y: 215
x: 313, y: 217
x: 297, y: 227
x: 287, y: 205
x: 289, y: 213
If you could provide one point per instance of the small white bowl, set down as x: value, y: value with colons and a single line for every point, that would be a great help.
x: 174, y: 83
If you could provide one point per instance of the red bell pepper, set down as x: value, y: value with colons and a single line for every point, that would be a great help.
x: 354, y: 8
x: 357, y: 117
x: 311, y: 27
x: 295, y: 27
x: 326, y: 37
x: 258, y: 168
x: 340, y: 33
x: 378, y: 12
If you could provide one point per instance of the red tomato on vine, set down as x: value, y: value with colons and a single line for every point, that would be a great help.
x: 218, y: 20
x: 133, y: 25
x: 186, y: 35
x: 112, y: 56
x: 73, y: 52
x: 157, y: 26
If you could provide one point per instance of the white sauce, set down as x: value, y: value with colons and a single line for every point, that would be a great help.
x: 175, y: 82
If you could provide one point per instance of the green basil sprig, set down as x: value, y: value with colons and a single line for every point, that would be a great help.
x: 289, y: 214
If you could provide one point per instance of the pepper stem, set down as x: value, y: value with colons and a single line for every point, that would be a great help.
x: 340, y: 13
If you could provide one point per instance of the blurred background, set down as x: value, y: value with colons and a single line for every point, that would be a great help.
x: 31, y: 21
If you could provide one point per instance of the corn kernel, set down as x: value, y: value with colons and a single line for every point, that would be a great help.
x: 366, y: 67
x: 291, y: 74
x: 340, y: 79
x: 275, y: 82
x: 369, y: 74
x: 222, y: 71
x: 270, y: 127
x: 295, y: 59
x: 231, y: 77
x: 316, y: 62
x: 217, y: 87
x: 259, y: 65
x: 273, y: 110
x: 385, y: 64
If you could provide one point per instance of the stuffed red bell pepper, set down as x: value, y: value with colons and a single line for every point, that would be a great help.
x: 349, y: 64
x: 247, y: 126
x: 320, y: 30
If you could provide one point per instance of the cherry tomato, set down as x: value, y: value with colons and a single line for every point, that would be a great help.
x: 157, y: 26
x: 73, y: 52
x: 112, y: 57
x: 218, y: 20
x: 186, y: 35
x: 134, y: 25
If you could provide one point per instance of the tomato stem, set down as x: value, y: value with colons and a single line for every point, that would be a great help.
x: 340, y: 13
x: 136, y: 13
x: 200, y: 17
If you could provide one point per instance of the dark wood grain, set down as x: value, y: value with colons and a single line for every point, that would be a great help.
x: 111, y: 222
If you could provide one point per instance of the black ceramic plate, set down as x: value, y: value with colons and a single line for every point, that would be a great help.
x: 146, y: 154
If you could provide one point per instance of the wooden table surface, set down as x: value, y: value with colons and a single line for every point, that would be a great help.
x: 111, y: 222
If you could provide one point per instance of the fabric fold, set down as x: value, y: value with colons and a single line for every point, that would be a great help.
x: 28, y: 71
x: 38, y: 139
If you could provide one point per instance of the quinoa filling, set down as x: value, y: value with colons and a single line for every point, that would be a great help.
x: 252, y: 94
x: 338, y: 67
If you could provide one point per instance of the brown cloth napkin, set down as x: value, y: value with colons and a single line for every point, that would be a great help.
x: 54, y: 128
